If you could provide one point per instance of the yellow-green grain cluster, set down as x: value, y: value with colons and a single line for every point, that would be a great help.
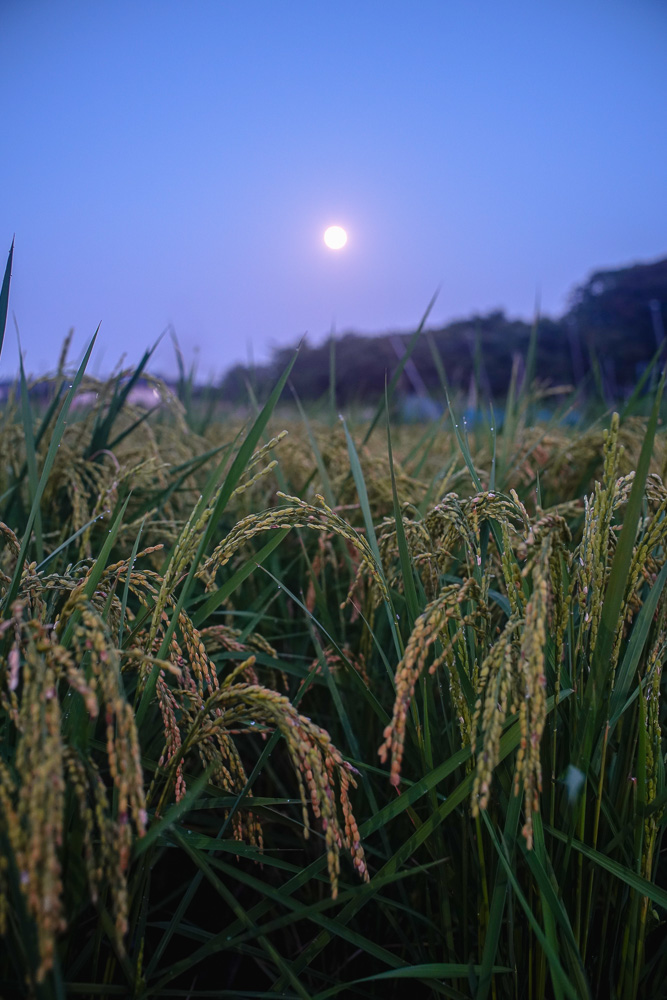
x: 154, y: 681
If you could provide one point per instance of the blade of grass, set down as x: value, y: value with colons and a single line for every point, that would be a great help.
x: 41, y: 431
x: 321, y: 468
x: 31, y: 458
x: 364, y: 690
x: 510, y: 421
x: 231, y: 481
x: 175, y: 812
x: 229, y: 586
x: 561, y: 983
x: 403, y: 551
x: 494, y: 442
x: 642, y: 886
x: 633, y: 652
x: 613, y: 599
x: 463, y: 442
x: 531, y: 355
x: 58, y: 431
x: 553, y: 909
x: 332, y: 380
x: 406, y: 851
x: 98, y: 568
x: 645, y: 378
x: 362, y: 493
x: 508, y: 742
x: 105, y: 420
x: 187, y: 469
x: 412, y: 343
x: 284, y: 967
x: 436, y: 970
x: 68, y: 541
x: 499, y: 899
x: 132, y: 428
x: 126, y: 588
x: 358, y: 940
x: 4, y: 295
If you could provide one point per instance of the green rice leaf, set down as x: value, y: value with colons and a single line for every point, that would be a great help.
x: 626, y: 875
x: 412, y: 343
x: 58, y: 431
x: 97, y: 568
x: 403, y: 551
x: 362, y: 493
x: 499, y: 900
x: 613, y: 599
x: 218, y: 597
x: 435, y: 970
x: 231, y: 481
x: 560, y: 981
x: 635, y: 647
x: 4, y: 295
x: 31, y: 457
x: 284, y: 967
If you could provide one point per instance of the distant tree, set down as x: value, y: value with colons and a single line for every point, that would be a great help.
x: 233, y: 387
x: 620, y: 315
x: 615, y: 321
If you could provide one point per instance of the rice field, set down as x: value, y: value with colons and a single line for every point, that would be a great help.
x: 298, y: 706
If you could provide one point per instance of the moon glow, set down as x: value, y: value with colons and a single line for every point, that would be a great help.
x: 335, y: 237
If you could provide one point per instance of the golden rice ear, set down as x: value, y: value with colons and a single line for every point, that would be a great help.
x: 513, y: 674
x: 33, y: 793
x: 200, y: 718
x: 208, y: 727
x: 298, y: 514
x: 431, y: 628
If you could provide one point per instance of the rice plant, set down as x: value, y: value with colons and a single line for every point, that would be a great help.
x: 350, y: 710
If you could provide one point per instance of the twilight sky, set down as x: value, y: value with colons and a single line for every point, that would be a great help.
x: 178, y: 162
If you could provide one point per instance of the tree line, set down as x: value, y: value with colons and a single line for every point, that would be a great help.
x: 611, y: 330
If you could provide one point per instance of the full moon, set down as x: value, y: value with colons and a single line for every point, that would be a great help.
x: 335, y: 237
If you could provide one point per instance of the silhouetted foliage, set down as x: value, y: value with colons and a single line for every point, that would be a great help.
x: 616, y: 320
x: 620, y: 315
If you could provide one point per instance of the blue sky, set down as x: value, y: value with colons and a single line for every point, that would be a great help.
x: 177, y: 163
